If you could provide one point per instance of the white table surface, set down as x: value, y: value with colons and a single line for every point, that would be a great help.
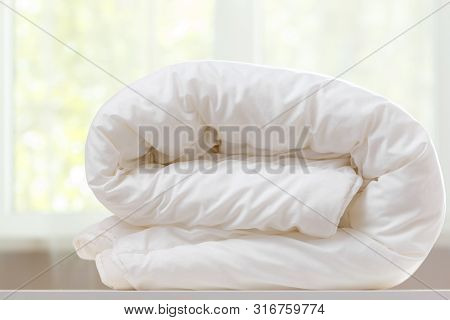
x: 228, y: 295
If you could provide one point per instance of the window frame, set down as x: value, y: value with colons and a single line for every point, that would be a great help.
x: 40, y: 226
x: 226, y: 46
x: 441, y: 109
x: 6, y: 108
x: 20, y: 226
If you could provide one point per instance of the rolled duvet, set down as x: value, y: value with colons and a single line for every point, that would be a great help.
x: 353, y: 199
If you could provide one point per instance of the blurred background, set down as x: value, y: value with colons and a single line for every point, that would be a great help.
x: 49, y: 94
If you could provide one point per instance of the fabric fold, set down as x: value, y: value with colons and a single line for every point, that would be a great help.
x: 352, y: 199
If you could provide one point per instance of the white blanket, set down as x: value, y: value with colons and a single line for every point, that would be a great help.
x: 360, y: 208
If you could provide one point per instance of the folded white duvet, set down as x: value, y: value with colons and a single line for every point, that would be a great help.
x: 358, y: 204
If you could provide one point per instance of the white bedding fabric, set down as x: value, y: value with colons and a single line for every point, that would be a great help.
x: 372, y: 170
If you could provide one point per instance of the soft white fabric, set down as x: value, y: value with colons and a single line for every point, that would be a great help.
x: 371, y: 169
